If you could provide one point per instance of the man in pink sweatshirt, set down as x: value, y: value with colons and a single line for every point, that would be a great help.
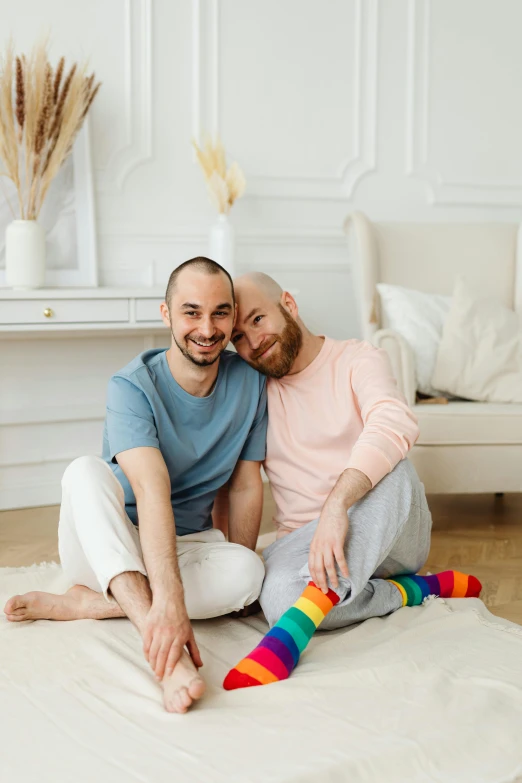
x: 351, y: 511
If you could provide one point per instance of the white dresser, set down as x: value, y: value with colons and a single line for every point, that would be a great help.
x: 58, y: 349
x: 60, y: 311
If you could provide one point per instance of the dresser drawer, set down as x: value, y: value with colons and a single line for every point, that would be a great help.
x: 148, y: 309
x: 65, y: 311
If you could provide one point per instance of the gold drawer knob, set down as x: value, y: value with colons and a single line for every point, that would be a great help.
x: 48, y: 312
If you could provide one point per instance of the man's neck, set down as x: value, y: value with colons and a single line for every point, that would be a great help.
x: 310, y: 348
x: 195, y: 380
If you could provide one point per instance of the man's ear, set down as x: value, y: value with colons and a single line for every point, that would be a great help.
x: 165, y: 317
x: 236, y: 311
x: 288, y: 302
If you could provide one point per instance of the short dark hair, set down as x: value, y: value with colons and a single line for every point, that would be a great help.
x: 202, y: 264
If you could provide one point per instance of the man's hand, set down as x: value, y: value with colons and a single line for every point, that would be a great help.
x: 167, y: 628
x: 327, y: 547
x: 167, y: 632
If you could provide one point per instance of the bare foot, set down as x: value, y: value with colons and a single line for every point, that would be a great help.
x: 78, y: 603
x: 183, y: 686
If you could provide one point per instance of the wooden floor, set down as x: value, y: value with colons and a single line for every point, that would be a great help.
x: 478, y: 534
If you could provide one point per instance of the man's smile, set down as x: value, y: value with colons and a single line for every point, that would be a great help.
x: 266, y: 351
x: 205, y: 346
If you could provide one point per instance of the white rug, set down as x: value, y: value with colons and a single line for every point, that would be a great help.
x: 431, y: 693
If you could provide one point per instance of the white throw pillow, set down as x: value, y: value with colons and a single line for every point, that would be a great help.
x: 418, y: 318
x: 480, y: 354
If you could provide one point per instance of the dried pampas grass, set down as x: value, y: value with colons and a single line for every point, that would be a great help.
x: 224, y: 186
x: 41, y: 112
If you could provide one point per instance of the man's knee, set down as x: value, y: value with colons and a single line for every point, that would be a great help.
x: 403, y: 477
x: 395, y: 492
x: 249, y: 573
x: 409, y: 482
x: 82, y: 469
x: 240, y: 574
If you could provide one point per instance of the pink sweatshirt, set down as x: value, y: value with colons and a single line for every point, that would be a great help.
x: 342, y: 411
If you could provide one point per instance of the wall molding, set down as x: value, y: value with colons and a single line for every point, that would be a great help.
x: 307, y: 268
x: 206, y: 109
x: 112, y: 274
x: 31, y: 495
x: 47, y: 414
x: 442, y: 190
x: 141, y: 259
x: 34, y: 485
x: 317, y: 236
x: 137, y: 147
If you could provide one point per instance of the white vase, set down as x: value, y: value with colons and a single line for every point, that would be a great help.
x: 24, y: 254
x: 222, y: 244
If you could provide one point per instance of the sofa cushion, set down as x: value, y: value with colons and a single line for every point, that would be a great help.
x: 469, y: 423
x: 419, y: 318
x: 480, y: 354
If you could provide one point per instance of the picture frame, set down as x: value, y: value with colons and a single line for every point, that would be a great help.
x: 68, y: 217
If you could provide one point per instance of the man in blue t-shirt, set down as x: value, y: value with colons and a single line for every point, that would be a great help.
x: 135, y: 534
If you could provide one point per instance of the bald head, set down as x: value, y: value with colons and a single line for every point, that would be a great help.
x: 264, y: 284
x: 267, y: 333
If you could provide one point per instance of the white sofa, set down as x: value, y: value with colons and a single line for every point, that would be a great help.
x: 463, y: 446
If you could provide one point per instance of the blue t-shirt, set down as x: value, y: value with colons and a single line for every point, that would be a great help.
x: 200, y: 438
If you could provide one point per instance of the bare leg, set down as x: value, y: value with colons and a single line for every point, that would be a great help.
x: 78, y: 603
x: 132, y: 599
x: 133, y: 594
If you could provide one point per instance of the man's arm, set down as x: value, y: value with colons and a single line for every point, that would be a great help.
x: 389, y: 431
x: 220, y: 509
x: 350, y: 487
x: 390, y: 427
x: 168, y: 626
x: 245, y: 504
x: 148, y: 476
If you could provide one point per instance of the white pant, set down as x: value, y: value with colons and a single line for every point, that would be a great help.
x: 97, y: 541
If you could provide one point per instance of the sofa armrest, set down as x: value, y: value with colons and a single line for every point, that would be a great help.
x: 402, y: 361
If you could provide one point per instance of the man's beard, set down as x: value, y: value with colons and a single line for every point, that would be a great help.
x: 290, y: 341
x: 197, y: 360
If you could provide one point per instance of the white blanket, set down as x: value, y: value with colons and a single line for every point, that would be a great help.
x: 430, y: 693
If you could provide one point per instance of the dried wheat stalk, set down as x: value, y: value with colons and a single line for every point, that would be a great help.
x: 224, y: 186
x: 41, y: 112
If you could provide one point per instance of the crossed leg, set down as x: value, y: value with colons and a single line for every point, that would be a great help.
x: 389, y: 534
x: 101, y: 554
x: 132, y: 598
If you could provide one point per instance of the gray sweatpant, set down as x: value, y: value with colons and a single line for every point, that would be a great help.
x: 389, y: 534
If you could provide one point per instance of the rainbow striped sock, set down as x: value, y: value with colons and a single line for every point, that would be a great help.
x: 277, y: 654
x: 446, y: 584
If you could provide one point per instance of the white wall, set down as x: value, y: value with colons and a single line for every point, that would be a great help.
x: 406, y: 109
